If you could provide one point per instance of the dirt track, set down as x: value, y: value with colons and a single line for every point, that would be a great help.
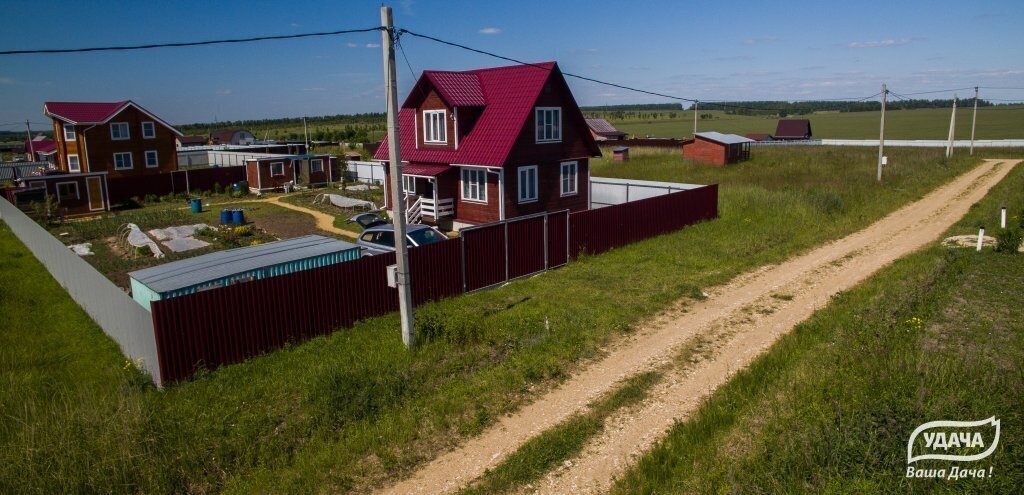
x: 742, y: 318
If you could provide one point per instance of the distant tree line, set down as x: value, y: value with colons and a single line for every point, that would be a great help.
x: 651, y: 106
x: 360, y: 127
x: 785, y: 108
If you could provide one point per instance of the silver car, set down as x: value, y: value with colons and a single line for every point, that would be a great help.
x: 379, y: 236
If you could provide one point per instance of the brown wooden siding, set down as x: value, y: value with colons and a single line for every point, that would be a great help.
x: 96, y: 150
x: 475, y: 212
x: 434, y: 102
x: 549, y: 190
x: 575, y: 133
x: 265, y: 181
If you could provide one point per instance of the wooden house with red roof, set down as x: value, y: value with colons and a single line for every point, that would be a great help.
x: 120, y: 138
x: 484, y: 145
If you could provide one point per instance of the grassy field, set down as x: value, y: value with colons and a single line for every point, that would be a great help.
x: 353, y: 410
x: 830, y: 408
x: 926, y: 123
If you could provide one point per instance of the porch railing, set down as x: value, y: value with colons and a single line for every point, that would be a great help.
x: 414, y: 213
x: 438, y: 208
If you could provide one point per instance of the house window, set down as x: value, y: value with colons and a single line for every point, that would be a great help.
x: 434, y: 126
x: 474, y: 184
x: 123, y: 161
x: 151, y: 161
x: 277, y: 169
x: 119, y: 131
x: 569, y: 178
x: 69, y: 132
x: 549, y: 124
x: 148, y: 130
x: 67, y: 190
x: 316, y: 165
x: 528, y: 184
x: 409, y: 184
x: 73, y: 164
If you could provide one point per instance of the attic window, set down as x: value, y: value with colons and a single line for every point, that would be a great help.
x: 434, y: 126
x: 549, y: 124
x: 119, y: 131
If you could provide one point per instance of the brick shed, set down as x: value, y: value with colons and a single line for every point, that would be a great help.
x: 716, y: 148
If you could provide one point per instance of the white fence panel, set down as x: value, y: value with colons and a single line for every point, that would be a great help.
x: 120, y: 317
x: 365, y: 171
x: 607, y: 192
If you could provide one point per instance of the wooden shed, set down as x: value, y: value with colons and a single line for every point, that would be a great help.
x: 793, y: 130
x: 272, y: 173
x: 716, y: 148
x: 73, y: 195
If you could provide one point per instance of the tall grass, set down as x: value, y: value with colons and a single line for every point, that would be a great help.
x: 354, y: 409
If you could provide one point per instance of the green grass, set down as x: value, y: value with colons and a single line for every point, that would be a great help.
x: 830, y: 407
x: 341, y: 215
x: 925, y: 123
x: 354, y: 410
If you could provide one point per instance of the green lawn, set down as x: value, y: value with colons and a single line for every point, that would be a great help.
x: 925, y: 123
x: 354, y: 409
x: 830, y: 408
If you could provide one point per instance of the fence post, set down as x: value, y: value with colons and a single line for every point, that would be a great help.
x: 545, y: 240
x: 627, y: 192
x: 568, y: 216
x: 506, y: 251
x: 462, y: 241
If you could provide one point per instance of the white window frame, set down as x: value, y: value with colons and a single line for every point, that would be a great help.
x: 281, y: 164
x: 474, y: 182
x: 78, y: 164
x: 563, y: 178
x: 541, y: 127
x: 120, y: 125
x: 57, y: 187
x: 66, y: 128
x: 522, y: 192
x: 131, y: 163
x: 408, y: 184
x: 152, y: 130
x: 438, y: 120
x: 316, y: 165
x: 156, y: 159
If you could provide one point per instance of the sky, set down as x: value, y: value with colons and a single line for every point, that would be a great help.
x: 724, y: 50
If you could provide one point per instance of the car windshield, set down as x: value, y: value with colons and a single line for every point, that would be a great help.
x: 425, y: 236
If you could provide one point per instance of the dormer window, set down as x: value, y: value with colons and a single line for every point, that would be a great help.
x: 69, y: 132
x: 549, y: 124
x: 434, y: 127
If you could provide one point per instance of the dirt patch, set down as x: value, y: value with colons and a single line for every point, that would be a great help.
x: 286, y: 224
x: 741, y: 334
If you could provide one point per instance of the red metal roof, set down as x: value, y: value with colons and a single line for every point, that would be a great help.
x: 509, y: 93
x: 75, y: 112
x: 793, y: 129
x: 82, y: 112
x: 425, y: 169
x: 44, y: 146
x: 459, y: 89
x: 602, y: 126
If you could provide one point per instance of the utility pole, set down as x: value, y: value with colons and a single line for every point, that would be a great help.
x: 695, y: 119
x: 881, y: 134
x: 974, y: 120
x: 397, y: 205
x: 31, y: 145
x: 305, y: 132
x: 952, y: 131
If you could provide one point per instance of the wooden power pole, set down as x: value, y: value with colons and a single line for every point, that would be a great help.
x: 397, y: 205
x: 974, y: 119
x: 31, y: 145
x: 695, y: 120
x: 881, y: 134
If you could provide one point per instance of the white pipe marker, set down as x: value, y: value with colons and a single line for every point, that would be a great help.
x: 981, y: 236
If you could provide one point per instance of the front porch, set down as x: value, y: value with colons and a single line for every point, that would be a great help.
x: 429, y: 194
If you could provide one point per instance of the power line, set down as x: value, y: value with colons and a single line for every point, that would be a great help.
x: 1011, y: 89
x: 187, y: 43
x: 939, y: 91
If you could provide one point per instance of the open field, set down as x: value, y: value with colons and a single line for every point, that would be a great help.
x: 830, y: 408
x: 354, y: 410
x: 1002, y: 122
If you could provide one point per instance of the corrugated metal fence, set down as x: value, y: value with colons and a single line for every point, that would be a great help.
x: 177, y: 182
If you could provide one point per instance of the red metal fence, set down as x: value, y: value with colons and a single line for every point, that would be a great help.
x: 180, y: 181
x: 231, y: 324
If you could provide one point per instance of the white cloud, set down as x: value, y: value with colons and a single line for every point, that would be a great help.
x: 224, y: 92
x: 351, y: 45
x: 490, y: 30
x: 314, y: 89
x: 373, y: 45
x: 763, y: 39
x: 877, y: 44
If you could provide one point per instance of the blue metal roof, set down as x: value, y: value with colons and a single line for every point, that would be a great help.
x: 724, y: 138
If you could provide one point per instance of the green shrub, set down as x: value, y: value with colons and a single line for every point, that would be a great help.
x: 217, y: 189
x: 1008, y: 240
x: 151, y: 198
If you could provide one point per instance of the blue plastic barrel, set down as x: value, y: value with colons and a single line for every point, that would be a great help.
x: 225, y: 217
x: 237, y: 217
x: 196, y: 204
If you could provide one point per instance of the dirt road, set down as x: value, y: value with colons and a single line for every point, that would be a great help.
x: 742, y: 318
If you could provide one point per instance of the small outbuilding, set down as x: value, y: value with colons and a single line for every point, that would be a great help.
x: 234, y: 266
x: 72, y: 195
x: 602, y: 130
x: 271, y: 173
x: 716, y: 148
x: 758, y: 137
x: 792, y: 130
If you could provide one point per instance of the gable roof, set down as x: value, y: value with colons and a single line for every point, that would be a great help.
x: 79, y: 113
x: 44, y: 146
x: 603, y: 127
x: 757, y: 136
x: 508, y: 93
x: 718, y: 137
x: 793, y: 128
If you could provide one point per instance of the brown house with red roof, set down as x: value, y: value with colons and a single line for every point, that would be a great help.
x: 792, y: 130
x: 485, y: 145
x: 120, y: 138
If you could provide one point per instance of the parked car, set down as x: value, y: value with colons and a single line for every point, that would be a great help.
x: 378, y: 236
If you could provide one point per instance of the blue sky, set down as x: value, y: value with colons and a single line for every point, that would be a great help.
x: 727, y: 50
